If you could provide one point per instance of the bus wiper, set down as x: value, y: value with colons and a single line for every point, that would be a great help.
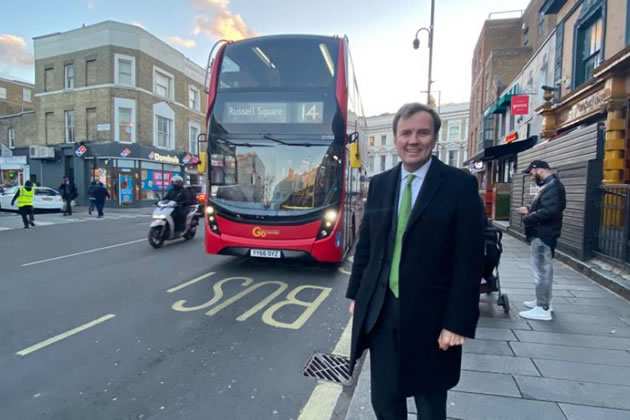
x: 268, y: 137
x: 230, y: 143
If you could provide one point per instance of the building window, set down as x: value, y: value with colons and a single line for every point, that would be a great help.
x: 541, y: 23
x: 371, y: 163
x: 163, y: 84
x: 68, y: 117
x: 394, y: 159
x: 125, y: 70
x: 383, y: 157
x: 194, y: 97
x: 11, y: 138
x: 48, y: 79
x: 48, y: 122
x: 194, y: 128
x: 90, y: 72
x: 26, y: 95
x: 90, y: 123
x: 3, y: 93
x: 454, y: 132
x: 163, y: 132
x: 125, y: 130
x: 68, y: 71
x: 383, y: 140
x: 589, y: 49
x: 557, y: 71
x: 452, y: 157
x: 372, y: 141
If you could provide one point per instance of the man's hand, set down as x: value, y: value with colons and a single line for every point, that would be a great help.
x: 449, y: 339
x: 522, y: 210
x: 351, y: 309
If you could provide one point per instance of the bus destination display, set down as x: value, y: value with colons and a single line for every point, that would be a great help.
x: 273, y: 112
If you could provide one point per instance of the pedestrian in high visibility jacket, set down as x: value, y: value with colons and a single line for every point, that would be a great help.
x: 24, y: 197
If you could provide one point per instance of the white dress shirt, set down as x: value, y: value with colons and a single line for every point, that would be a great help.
x: 416, y: 184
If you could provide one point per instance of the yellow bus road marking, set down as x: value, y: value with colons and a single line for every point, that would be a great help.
x: 65, y: 335
x: 82, y: 253
x: 188, y: 283
x: 322, y: 402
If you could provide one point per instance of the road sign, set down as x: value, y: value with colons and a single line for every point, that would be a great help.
x: 125, y: 152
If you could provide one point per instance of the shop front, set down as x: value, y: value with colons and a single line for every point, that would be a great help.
x: 135, y: 175
x: 13, y: 171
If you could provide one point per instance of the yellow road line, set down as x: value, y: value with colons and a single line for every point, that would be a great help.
x: 322, y: 402
x: 64, y: 335
x: 188, y: 283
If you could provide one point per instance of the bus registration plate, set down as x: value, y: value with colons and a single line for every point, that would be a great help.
x: 265, y: 253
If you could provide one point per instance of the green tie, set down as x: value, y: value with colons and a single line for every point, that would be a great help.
x: 403, y: 216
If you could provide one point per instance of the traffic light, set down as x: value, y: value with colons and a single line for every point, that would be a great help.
x: 12, y: 175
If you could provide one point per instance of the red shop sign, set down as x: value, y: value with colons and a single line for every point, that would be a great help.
x: 520, y: 105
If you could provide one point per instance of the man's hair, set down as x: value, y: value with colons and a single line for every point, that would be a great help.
x: 407, y: 110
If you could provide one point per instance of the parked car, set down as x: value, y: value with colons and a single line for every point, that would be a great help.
x: 44, y: 199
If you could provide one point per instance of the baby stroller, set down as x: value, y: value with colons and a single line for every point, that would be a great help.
x: 491, y: 281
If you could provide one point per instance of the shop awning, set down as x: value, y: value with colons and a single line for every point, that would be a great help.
x: 496, y: 152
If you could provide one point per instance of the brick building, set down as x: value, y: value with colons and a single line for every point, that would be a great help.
x: 116, y: 104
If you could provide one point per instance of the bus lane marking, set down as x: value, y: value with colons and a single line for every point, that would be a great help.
x: 64, y: 335
x: 248, y: 282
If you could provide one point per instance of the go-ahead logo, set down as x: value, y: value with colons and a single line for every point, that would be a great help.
x: 259, y: 232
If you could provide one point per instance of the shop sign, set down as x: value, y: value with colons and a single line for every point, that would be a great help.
x: 582, y: 109
x: 103, y: 127
x: 191, y: 159
x: 164, y: 158
x: 519, y: 105
x: 511, y: 137
x: 80, y: 151
x: 14, y: 160
x: 125, y: 152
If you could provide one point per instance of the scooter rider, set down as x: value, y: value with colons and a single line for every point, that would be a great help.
x: 184, y: 200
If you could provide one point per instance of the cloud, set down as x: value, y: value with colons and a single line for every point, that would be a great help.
x: 13, y: 51
x: 138, y: 24
x: 186, y: 43
x: 216, y: 20
x: 91, y: 5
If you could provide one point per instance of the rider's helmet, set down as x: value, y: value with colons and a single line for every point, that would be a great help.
x: 177, y: 181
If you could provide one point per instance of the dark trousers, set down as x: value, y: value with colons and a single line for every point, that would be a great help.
x: 28, y: 216
x: 68, y: 208
x: 388, y: 401
x: 99, y: 207
x: 92, y: 204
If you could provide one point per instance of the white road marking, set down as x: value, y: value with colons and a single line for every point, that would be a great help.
x: 82, y: 253
x: 321, y: 404
x: 65, y: 335
x: 5, y: 228
x: 188, y: 283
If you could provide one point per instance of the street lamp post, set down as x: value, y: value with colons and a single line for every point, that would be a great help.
x: 416, y: 45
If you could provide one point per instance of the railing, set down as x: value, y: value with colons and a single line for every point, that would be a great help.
x: 614, y: 228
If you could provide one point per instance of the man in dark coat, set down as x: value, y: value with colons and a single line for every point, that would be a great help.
x: 543, y: 224
x: 417, y: 267
x: 68, y: 192
x: 100, y: 194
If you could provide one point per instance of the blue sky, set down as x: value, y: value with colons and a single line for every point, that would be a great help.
x: 389, y: 71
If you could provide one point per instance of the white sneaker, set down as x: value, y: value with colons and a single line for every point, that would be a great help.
x: 532, y: 304
x: 537, y: 313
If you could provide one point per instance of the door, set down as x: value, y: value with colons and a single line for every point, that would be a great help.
x: 125, y: 189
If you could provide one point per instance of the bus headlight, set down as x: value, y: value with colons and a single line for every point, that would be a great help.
x: 212, y: 220
x: 328, y: 224
x: 331, y: 216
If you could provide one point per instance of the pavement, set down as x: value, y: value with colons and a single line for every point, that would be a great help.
x: 576, y: 367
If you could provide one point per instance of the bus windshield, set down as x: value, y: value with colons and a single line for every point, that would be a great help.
x: 279, y: 63
x: 265, y: 178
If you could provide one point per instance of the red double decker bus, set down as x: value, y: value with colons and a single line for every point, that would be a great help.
x: 285, y: 129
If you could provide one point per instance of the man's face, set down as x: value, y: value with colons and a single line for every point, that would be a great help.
x: 415, y: 140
